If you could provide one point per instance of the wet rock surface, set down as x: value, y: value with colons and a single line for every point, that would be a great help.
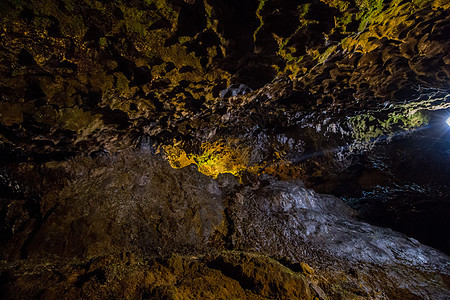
x: 108, y: 208
x: 102, y: 101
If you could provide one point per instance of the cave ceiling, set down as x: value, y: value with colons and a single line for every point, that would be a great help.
x: 297, y: 89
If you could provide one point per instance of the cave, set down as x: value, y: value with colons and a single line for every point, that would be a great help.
x: 213, y: 149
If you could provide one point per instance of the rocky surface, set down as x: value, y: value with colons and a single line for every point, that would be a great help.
x: 267, y: 99
x: 266, y: 238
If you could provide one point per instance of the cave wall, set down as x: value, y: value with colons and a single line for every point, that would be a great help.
x: 146, y: 142
x: 87, y: 226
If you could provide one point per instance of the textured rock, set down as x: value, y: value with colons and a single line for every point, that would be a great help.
x: 349, y: 98
x: 225, y: 275
x: 117, y: 203
x: 135, y: 202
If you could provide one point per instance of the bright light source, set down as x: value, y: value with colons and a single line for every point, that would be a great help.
x: 448, y: 121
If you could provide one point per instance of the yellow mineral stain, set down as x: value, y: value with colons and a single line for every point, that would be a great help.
x: 213, y: 158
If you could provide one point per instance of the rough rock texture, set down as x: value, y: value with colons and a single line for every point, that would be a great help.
x: 122, y: 203
x: 226, y: 275
x: 348, y: 98
x: 84, y: 229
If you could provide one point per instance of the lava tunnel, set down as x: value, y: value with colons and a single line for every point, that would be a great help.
x: 213, y: 149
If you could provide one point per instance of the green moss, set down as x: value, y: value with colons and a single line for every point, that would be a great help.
x: 323, y: 57
x: 405, y: 117
x: 122, y: 83
x: 411, y: 120
x: 367, y: 127
x: 368, y: 9
x: 373, y: 19
x: 303, y: 9
x: 338, y: 4
x: 137, y: 21
x: 258, y: 14
x: 341, y: 22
